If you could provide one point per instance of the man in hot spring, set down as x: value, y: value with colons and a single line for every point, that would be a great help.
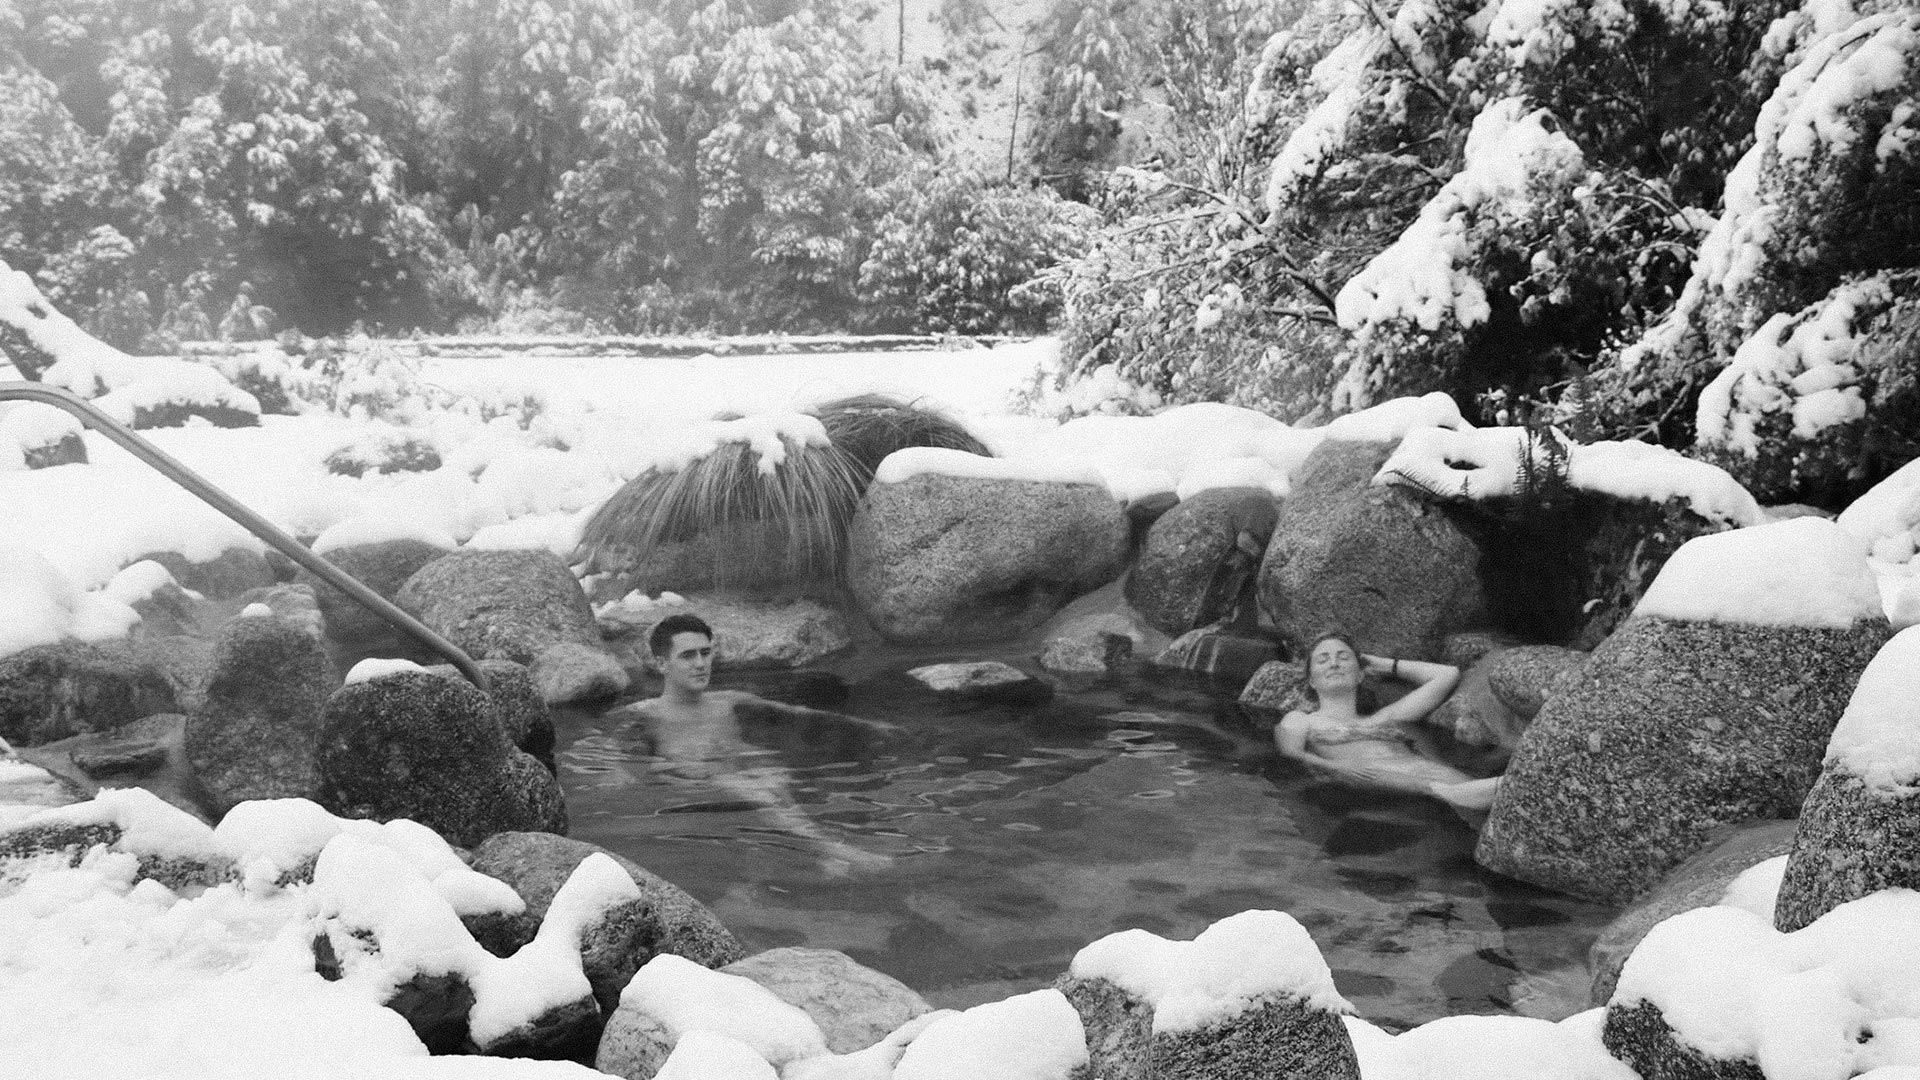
x: 696, y: 733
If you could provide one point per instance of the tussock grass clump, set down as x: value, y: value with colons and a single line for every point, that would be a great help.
x: 868, y: 427
x: 742, y: 515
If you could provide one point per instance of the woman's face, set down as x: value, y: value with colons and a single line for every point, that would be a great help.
x: 1333, y: 664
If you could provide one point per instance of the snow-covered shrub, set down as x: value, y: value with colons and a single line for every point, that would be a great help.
x: 1803, y: 265
x: 1451, y: 195
x: 954, y: 251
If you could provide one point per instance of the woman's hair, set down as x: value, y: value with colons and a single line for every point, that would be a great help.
x: 1364, y: 698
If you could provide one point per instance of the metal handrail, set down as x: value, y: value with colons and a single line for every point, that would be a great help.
x: 90, y: 415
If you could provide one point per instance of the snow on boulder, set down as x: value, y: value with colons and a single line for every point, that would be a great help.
x: 1250, y: 995
x: 1711, y: 706
x: 1718, y: 992
x: 709, y: 1055
x: 539, y: 1001
x: 1804, y: 572
x: 1860, y: 826
x: 1489, y: 1048
x: 672, y: 997
x: 37, y: 436
x: 139, y: 391
x: 1034, y: 1036
x: 1887, y: 519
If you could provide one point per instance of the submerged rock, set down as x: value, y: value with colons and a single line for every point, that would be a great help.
x: 938, y: 559
x: 523, y: 606
x: 983, y: 680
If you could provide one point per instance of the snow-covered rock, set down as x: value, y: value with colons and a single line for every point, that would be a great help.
x: 1250, y: 995
x: 1718, y: 992
x: 1859, y: 831
x: 1035, y: 1036
x: 672, y: 997
x: 1712, y: 705
x: 661, y: 919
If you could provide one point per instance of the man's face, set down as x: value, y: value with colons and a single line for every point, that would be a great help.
x: 688, y: 662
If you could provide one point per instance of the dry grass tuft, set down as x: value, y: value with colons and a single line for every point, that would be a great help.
x: 721, y: 522
x: 868, y: 427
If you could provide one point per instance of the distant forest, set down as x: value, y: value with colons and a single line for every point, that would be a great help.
x: 188, y: 169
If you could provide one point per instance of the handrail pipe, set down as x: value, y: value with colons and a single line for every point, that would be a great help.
x: 91, y: 415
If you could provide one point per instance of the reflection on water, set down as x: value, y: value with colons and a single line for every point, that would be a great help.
x: 972, y: 854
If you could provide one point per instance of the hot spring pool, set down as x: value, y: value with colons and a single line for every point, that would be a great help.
x: 994, y: 841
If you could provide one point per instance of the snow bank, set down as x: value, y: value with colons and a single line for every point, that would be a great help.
x: 1184, y: 450
x: 40, y: 606
x: 30, y: 425
x: 1488, y: 463
x: 1034, y: 1036
x: 1420, y: 279
x: 1801, y: 572
x: 1878, y: 736
x: 1232, y: 966
x: 685, y: 997
x: 709, y: 1055
x: 1487, y: 1048
x: 381, y: 529
x: 1832, y: 1000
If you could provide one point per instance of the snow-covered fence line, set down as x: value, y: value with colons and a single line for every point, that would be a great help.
x: 640, y: 346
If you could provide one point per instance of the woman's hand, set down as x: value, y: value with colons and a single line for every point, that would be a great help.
x: 1379, y: 665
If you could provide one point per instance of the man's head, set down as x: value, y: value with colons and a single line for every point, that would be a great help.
x: 682, y: 648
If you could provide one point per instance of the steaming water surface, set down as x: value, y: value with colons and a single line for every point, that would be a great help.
x: 992, y: 842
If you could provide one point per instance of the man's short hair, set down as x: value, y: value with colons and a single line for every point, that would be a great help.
x: 660, y: 638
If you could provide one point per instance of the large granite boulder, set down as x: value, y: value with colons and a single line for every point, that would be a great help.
x: 1198, y: 555
x: 415, y: 745
x: 1250, y: 996
x: 1860, y: 826
x: 748, y: 632
x: 935, y: 559
x: 854, y: 1005
x: 1702, y: 880
x: 1388, y: 567
x: 1711, y: 706
x: 664, y: 920
x: 1524, y: 677
x: 50, y: 692
x: 523, y: 606
x: 255, y: 733
x: 383, y: 567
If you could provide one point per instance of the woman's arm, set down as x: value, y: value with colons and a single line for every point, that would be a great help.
x: 1432, y: 683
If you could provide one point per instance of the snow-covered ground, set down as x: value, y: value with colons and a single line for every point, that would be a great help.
x: 103, y: 976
